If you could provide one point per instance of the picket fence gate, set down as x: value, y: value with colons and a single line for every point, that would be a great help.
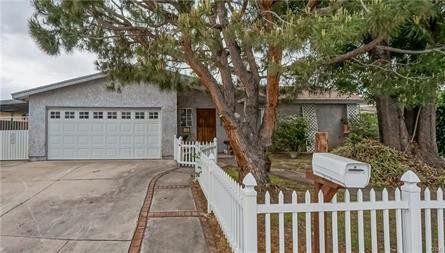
x: 404, y: 214
x: 184, y: 152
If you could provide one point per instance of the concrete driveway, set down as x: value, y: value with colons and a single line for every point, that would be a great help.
x: 72, y: 206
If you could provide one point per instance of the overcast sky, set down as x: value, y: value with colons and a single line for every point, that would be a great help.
x: 22, y: 64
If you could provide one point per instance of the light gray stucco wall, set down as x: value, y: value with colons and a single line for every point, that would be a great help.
x: 195, y: 100
x: 329, y: 120
x: 289, y: 109
x: 328, y: 116
x: 95, y: 94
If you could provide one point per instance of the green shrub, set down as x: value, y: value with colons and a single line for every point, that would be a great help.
x: 440, y: 124
x: 290, y: 134
x: 366, y: 127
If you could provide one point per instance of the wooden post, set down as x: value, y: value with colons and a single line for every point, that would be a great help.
x: 321, y: 142
x: 329, y: 189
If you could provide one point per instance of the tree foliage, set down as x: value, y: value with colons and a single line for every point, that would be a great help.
x: 237, y: 49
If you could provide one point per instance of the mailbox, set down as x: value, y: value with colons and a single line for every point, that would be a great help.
x: 341, y: 170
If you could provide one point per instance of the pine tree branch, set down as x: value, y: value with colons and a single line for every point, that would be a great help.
x: 407, y: 51
x: 358, y: 51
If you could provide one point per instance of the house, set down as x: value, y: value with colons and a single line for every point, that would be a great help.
x: 11, y: 108
x: 82, y: 119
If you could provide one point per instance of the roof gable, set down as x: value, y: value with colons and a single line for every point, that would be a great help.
x: 24, y: 95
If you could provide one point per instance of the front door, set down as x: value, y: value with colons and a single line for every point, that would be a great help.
x: 206, y: 124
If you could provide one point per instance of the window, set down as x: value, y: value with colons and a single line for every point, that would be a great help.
x: 84, y: 115
x: 125, y: 115
x: 112, y: 115
x: 153, y: 115
x: 139, y: 115
x: 54, y: 115
x: 185, y: 117
x: 98, y: 115
x: 69, y: 115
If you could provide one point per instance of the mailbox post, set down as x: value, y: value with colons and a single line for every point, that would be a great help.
x: 329, y: 174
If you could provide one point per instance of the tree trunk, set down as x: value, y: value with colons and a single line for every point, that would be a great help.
x: 426, y: 137
x: 411, y: 131
x: 249, y: 154
x: 393, y: 132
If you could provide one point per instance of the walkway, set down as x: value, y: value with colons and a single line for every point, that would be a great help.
x: 170, y: 220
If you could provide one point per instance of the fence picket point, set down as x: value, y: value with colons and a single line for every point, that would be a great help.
x: 334, y: 227
x: 321, y: 229
x: 294, y: 224
x: 236, y: 209
x: 373, y: 223
x: 386, y: 234
x: 281, y: 223
x: 361, y: 236
x: 267, y: 223
x: 347, y: 223
x: 399, y: 232
x: 440, y: 226
x: 307, y: 200
x: 428, y: 244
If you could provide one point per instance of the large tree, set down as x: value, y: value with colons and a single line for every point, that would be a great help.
x: 402, y: 73
x: 232, y: 47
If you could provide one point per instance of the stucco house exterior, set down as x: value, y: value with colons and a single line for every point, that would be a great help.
x: 82, y: 119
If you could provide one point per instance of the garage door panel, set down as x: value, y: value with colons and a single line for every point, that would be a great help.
x: 83, y: 140
x: 126, y: 127
x: 98, y: 140
x: 98, y: 127
x: 83, y: 127
x: 55, y: 140
x: 69, y: 140
x: 125, y: 140
x: 55, y: 127
x: 112, y: 127
x: 83, y: 152
x: 139, y: 140
x: 101, y: 137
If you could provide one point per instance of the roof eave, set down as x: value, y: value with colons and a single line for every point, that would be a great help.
x: 24, y: 95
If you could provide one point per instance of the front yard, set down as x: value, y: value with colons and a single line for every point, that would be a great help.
x: 288, y: 175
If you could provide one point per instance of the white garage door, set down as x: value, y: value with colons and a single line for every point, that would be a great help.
x: 104, y: 134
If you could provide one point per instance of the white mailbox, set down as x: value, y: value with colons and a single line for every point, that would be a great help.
x: 341, y: 170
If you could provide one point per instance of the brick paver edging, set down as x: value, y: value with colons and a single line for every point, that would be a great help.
x: 180, y: 213
x: 162, y: 187
x: 138, y: 236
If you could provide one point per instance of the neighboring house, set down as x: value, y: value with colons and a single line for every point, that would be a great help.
x: 12, y: 108
x: 82, y: 119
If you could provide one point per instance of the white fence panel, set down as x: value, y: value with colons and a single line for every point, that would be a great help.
x: 14, y: 145
x: 185, y: 152
x: 400, y: 213
x: 228, y: 201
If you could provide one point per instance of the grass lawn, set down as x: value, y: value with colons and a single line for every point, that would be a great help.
x: 289, y: 184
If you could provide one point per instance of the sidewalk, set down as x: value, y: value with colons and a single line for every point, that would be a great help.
x: 173, y: 221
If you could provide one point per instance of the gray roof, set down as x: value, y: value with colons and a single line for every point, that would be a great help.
x: 12, y: 105
x: 304, y: 96
x: 24, y: 95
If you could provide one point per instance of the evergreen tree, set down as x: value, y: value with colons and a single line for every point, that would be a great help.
x: 231, y: 47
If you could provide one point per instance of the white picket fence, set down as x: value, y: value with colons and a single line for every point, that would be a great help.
x: 184, y: 152
x: 405, y: 214
x: 14, y: 144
